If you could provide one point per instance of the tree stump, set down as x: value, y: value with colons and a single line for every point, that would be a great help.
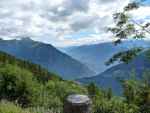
x: 77, y: 104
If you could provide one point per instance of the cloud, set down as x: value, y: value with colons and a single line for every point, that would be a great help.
x: 55, y: 21
x: 107, y: 1
x: 85, y: 21
x: 66, y: 8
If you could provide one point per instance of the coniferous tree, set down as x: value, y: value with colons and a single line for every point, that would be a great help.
x: 127, y: 27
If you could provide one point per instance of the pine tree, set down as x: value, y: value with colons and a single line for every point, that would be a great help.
x: 125, y: 27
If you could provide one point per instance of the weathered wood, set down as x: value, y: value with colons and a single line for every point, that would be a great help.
x: 77, y: 104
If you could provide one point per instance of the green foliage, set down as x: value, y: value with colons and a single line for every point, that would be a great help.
x: 130, y: 91
x: 29, y: 85
x: 41, y: 74
x: 109, y: 94
x: 126, y: 27
x: 115, y: 105
x: 135, y: 99
x: 92, y: 90
x: 52, y: 94
x: 105, y: 102
x: 131, y: 6
x: 43, y: 110
x: 16, y: 84
x: 137, y: 92
x: 27, y: 94
x: 124, y: 56
x: 7, y: 107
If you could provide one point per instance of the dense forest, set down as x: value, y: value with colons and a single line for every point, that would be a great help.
x: 24, y: 90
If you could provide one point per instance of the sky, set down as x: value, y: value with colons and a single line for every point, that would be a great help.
x: 63, y: 22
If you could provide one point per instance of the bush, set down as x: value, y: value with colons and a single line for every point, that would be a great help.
x: 16, y: 84
x: 52, y: 94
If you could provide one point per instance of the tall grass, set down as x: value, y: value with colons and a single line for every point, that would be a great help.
x: 9, y: 107
x: 43, y: 110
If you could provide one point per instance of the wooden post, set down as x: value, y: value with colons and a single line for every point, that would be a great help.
x: 77, y: 104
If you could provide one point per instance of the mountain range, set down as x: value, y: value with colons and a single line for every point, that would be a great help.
x: 47, y: 56
x: 95, y: 56
x: 84, y: 63
x: 112, y: 76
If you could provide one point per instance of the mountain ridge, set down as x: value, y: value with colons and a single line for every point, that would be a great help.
x: 112, y: 76
x: 96, y: 55
x: 47, y: 56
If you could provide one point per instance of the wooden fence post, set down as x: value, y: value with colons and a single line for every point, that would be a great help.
x: 77, y: 104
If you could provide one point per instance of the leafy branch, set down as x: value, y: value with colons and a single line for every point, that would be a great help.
x: 126, y: 27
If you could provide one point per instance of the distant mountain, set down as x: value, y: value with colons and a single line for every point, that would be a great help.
x: 47, y: 56
x: 110, y: 78
x: 95, y: 56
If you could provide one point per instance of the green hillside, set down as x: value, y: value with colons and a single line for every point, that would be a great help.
x: 41, y: 73
x: 28, y: 88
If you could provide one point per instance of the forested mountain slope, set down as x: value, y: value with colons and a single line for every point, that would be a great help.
x: 47, y: 56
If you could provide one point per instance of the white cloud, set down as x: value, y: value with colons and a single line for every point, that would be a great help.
x: 52, y: 21
x: 141, y: 13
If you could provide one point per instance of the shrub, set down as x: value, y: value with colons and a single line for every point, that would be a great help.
x: 16, y: 84
x: 52, y: 94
